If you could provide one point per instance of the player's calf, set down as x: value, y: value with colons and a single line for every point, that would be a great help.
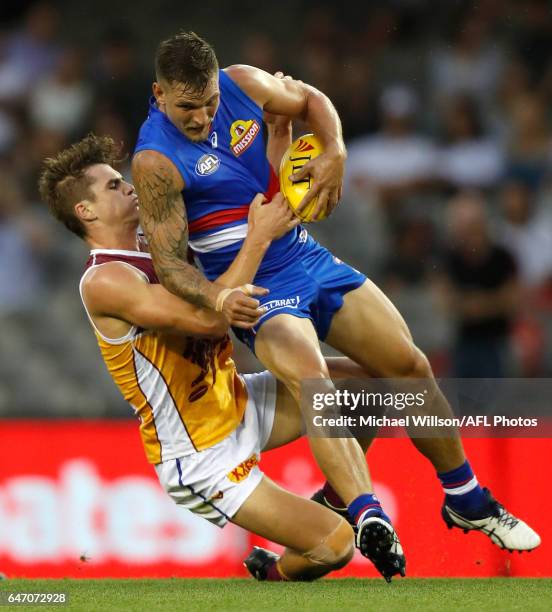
x: 333, y: 552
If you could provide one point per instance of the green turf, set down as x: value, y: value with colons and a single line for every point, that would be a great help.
x: 496, y: 594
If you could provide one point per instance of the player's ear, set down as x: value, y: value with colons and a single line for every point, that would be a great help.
x: 158, y: 92
x: 84, y: 211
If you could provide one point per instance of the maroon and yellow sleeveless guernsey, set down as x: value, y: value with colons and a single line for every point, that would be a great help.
x: 185, y: 391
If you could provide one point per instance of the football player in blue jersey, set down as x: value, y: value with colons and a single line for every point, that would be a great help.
x: 223, y: 481
x: 200, y: 158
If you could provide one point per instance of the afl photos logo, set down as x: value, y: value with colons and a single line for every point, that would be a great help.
x: 242, y: 135
x: 207, y: 164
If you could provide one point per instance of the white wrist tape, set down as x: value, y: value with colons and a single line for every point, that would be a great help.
x: 224, y: 293
x: 221, y: 297
x: 247, y: 289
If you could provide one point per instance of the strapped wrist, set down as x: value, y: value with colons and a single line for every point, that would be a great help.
x: 247, y: 289
x: 221, y: 297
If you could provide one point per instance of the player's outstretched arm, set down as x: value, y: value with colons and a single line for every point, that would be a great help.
x: 299, y: 100
x: 118, y: 296
x: 164, y: 222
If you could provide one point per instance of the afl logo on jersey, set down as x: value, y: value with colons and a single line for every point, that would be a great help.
x: 242, y: 134
x: 207, y: 164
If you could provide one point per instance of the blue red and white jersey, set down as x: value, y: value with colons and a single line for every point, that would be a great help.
x: 222, y: 175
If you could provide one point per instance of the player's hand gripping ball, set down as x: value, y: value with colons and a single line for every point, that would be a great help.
x: 299, y: 153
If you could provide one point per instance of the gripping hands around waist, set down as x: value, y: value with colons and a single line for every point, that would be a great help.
x: 239, y: 307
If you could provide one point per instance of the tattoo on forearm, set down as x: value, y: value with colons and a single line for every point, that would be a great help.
x: 164, y: 222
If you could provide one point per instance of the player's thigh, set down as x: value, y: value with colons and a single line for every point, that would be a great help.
x: 288, y: 422
x: 288, y: 346
x: 348, y: 375
x: 285, y: 518
x: 371, y: 331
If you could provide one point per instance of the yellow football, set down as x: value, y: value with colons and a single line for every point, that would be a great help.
x: 300, y: 152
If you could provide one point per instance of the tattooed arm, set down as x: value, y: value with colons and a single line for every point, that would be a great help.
x: 164, y: 222
x: 163, y: 219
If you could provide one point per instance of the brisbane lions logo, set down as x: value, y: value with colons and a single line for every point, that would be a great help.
x: 242, y: 135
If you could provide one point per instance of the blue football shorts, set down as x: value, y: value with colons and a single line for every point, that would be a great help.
x: 312, y: 287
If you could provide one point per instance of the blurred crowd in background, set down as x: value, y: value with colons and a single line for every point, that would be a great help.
x: 447, y: 114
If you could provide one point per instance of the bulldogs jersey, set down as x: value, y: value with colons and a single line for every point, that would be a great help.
x: 222, y: 176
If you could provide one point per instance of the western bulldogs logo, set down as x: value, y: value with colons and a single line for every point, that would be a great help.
x: 207, y: 164
x: 242, y: 134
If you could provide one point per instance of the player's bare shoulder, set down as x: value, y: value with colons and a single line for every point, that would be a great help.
x: 279, y: 96
x: 245, y: 74
x: 255, y: 82
x: 241, y: 72
x: 106, y: 289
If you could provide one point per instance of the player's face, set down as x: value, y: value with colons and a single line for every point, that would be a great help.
x: 190, y: 112
x: 114, y: 199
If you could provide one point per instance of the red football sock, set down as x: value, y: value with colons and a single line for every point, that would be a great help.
x: 273, y: 574
x: 332, y: 497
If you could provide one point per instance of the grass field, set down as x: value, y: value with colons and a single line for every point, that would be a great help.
x: 347, y: 594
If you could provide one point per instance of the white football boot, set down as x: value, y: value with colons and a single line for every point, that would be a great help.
x: 504, y: 529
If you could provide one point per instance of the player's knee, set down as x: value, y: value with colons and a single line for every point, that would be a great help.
x: 318, y: 381
x: 336, y: 549
x: 344, y: 545
x: 318, y: 372
x: 412, y: 363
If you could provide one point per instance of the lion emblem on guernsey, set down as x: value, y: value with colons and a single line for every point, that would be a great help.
x: 203, y: 353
